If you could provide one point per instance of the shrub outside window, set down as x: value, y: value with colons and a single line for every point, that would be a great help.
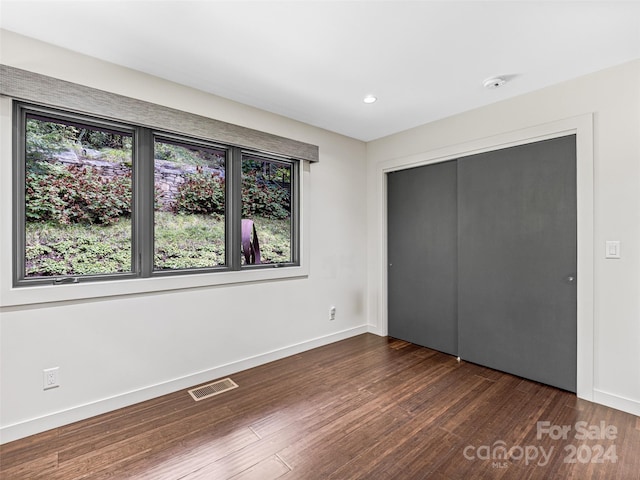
x: 99, y: 200
x: 77, y: 199
x: 190, y: 206
x: 266, y: 210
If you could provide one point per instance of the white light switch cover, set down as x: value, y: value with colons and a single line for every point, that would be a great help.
x: 612, y: 249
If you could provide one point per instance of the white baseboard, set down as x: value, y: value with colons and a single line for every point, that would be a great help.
x: 32, y: 426
x: 375, y: 330
x: 615, y: 401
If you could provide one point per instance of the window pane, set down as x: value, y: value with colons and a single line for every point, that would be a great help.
x: 77, y: 199
x: 189, y: 206
x: 266, y: 202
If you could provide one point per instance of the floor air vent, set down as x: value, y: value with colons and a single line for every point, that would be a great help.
x: 212, y: 389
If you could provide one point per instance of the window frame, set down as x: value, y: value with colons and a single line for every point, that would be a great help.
x: 295, y: 206
x: 142, y: 205
x: 20, y: 112
x: 148, y: 222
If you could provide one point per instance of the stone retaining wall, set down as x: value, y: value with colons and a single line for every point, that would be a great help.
x: 168, y: 176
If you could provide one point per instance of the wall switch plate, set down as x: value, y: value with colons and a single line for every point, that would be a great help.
x: 50, y: 378
x: 612, y: 249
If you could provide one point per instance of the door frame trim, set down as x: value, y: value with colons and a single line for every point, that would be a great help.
x: 582, y: 127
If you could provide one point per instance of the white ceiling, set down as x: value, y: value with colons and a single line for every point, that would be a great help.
x: 314, y: 61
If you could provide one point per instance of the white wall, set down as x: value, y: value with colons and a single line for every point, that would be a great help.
x: 613, y: 97
x: 118, y: 350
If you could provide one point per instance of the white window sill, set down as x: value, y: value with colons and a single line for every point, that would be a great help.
x: 30, y: 295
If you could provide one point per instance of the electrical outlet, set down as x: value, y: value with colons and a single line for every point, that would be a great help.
x: 332, y: 313
x: 50, y: 378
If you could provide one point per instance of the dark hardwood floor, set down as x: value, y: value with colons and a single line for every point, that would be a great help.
x: 364, y: 408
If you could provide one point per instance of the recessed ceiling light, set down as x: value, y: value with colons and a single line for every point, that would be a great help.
x: 369, y: 99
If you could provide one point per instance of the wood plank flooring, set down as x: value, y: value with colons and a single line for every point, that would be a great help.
x: 364, y: 408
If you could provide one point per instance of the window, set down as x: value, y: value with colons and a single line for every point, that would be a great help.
x: 77, y: 198
x: 190, y: 205
x: 267, y: 200
x: 99, y: 200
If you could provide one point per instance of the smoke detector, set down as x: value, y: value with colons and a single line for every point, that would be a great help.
x: 494, y: 82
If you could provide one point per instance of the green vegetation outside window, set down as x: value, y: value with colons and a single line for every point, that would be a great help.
x: 99, y: 200
x: 190, y: 206
x: 77, y: 199
x: 267, y: 202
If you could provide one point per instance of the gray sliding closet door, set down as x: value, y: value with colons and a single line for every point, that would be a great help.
x: 422, y: 240
x: 517, y: 261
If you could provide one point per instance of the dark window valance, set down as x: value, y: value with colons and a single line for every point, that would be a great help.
x: 33, y: 87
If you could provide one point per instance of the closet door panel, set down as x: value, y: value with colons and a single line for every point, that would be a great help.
x: 517, y: 261
x: 422, y: 249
